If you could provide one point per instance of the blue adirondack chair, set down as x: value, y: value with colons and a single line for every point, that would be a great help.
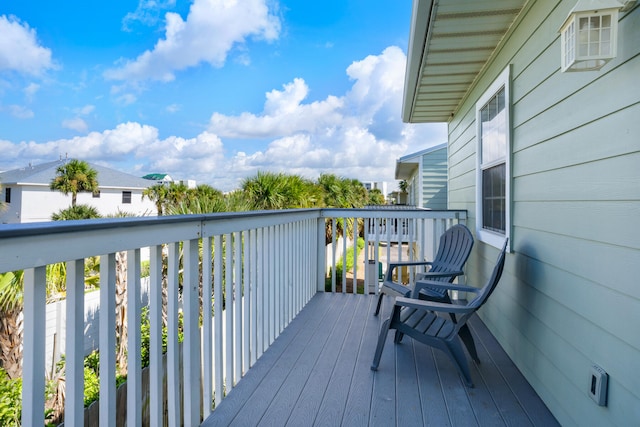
x: 430, y: 322
x: 453, y: 251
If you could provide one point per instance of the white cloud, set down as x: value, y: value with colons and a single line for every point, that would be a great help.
x: 31, y: 90
x: 20, y: 112
x: 210, y: 31
x: 173, y: 108
x: 283, y: 114
x: 86, y: 110
x: 19, y: 48
x: 76, y: 124
x: 147, y: 13
x: 126, y: 99
x: 358, y: 134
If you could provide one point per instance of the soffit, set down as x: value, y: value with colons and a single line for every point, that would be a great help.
x: 450, y: 43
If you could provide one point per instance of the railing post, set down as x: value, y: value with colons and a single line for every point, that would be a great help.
x: 33, y: 349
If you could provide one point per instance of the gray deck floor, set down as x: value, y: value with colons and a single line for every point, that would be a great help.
x: 318, y: 373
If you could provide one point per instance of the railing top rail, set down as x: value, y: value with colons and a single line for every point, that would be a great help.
x: 395, y: 213
x: 54, y: 227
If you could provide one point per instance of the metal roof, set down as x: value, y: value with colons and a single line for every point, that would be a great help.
x: 450, y: 43
x: 42, y: 174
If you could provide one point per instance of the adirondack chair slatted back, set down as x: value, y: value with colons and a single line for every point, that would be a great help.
x: 453, y: 251
x: 486, y: 291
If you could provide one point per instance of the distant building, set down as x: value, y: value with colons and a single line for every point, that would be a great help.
x: 376, y: 185
x: 28, y: 198
x: 159, y: 178
x: 426, y: 175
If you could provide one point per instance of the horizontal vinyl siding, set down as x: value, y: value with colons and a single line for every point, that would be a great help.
x: 434, y: 180
x: 570, y: 294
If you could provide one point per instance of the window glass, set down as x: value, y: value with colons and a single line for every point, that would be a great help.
x: 493, y: 159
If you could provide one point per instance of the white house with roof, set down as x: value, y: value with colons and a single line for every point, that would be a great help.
x: 425, y: 172
x: 542, y: 100
x: 28, y: 198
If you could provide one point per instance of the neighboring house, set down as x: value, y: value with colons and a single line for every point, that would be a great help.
x: 426, y: 176
x: 550, y: 159
x: 28, y: 197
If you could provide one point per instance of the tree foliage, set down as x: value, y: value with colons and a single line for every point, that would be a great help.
x: 73, y: 177
x: 76, y: 212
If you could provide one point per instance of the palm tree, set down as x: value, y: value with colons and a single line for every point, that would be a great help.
x: 158, y: 194
x: 265, y: 191
x: 11, y: 286
x: 73, y: 177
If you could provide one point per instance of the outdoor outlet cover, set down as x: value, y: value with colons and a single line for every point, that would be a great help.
x: 598, y: 382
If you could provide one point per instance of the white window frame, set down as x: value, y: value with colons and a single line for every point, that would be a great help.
x: 494, y: 238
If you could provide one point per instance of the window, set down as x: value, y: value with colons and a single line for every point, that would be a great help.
x: 493, y: 173
x: 7, y: 195
x: 96, y: 194
x: 126, y: 197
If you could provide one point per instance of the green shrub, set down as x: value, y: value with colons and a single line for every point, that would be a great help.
x: 91, y: 386
x: 10, y: 400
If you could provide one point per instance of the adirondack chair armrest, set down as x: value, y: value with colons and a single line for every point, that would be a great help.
x: 432, y: 306
x: 421, y: 284
x: 394, y: 265
x: 429, y: 275
x: 397, y: 289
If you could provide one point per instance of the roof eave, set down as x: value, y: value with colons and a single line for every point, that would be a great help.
x: 421, y: 17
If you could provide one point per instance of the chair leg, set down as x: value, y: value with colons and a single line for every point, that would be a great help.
x: 379, y: 303
x: 384, y: 330
x: 456, y: 353
x: 467, y: 339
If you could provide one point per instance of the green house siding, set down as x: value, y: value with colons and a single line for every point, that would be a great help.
x: 434, y: 180
x: 570, y: 294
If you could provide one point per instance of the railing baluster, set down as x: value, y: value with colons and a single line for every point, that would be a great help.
x: 107, y: 344
x: 237, y: 303
x: 260, y: 309
x: 134, y: 369
x: 344, y: 255
x: 34, y: 323
x: 191, y: 327
x: 74, y: 351
x: 246, y: 301
x: 218, y: 299
x: 271, y: 285
x: 156, y: 371
x: 173, y: 350
x: 253, y: 256
x: 228, y: 312
x: 207, y: 332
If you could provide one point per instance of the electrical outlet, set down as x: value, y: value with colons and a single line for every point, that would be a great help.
x: 598, y: 385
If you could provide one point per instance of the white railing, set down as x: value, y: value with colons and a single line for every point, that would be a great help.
x: 264, y: 266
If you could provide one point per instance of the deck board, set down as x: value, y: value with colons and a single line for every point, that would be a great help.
x: 318, y: 373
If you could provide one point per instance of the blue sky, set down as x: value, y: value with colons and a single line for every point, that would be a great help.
x: 211, y: 90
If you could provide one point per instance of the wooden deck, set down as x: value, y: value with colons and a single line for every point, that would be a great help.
x: 318, y: 373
